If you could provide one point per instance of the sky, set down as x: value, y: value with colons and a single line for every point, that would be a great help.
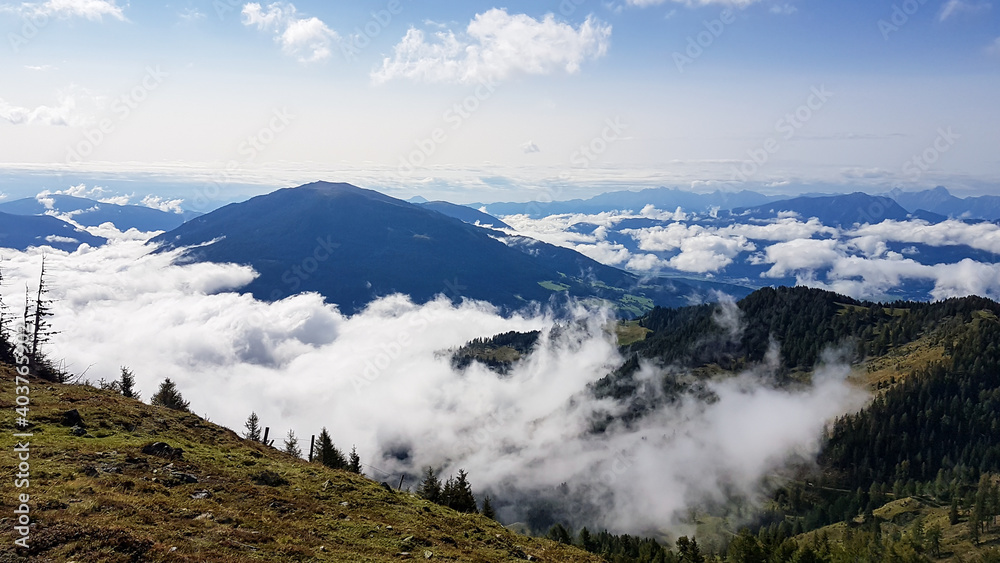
x: 477, y: 101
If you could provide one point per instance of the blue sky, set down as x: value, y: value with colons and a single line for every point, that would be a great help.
x: 554, y: 100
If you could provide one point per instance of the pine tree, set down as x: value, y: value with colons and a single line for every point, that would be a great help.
x: 253, y: 428
x: 953, y: 511
x: 327, y: 453
x: 126, y: 385
x: 430, y: 486
x: 354, y: 461
x: 168, y: 396
x: 489, y: 512
x: 40, y: 329
x: 291, y: 445
x: 457, y: 494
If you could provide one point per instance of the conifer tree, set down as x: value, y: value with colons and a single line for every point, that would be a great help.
x: 168, y: 396
x: 126, y: 384
x: 354, y: 462
x: 491, y: 513
x: 253, y: 428
x: 327, y: 453
x: 291, y: 445
x: 430, y: 486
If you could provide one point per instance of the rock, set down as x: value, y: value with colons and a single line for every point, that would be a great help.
x: 201, y: 495
x: 269, y: 479
x: 388, y: 528
x: 73, y: 418
x: 345, y: 503
x: 77, y: 431
x: 428, y: 554
x: 91, y: 471
x: 205, y: 516
x: 184, y: 477
x: 386, y: 486
x: 162, y: 449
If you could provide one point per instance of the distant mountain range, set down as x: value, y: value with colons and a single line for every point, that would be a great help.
x: 833, y: 211
x: 23, y: 231
x: 91, y: 213
x: 937, y: 204
x: 661, y: 198
x: 354, y: 245
x: 939, y: 200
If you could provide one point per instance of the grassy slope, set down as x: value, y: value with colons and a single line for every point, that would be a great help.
x: 99, y: 498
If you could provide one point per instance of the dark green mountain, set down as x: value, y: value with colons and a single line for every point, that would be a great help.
x: 354, y: 245
x: 23, y: 231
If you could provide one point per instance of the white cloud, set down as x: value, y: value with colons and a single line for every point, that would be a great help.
x: 93, y: 10
x: 496, y: 45
x: 709, y: 253
x: 530, y: 147
x: 293, y: 361
x: 40, y: 68
x: 956, y: 7
x: 307, y: 39
x: 981, y: 236
x: 798, y: 255
x: 168, y: 205
x: 190, y: 15
x: 66, y: 113
x: 783, y: 9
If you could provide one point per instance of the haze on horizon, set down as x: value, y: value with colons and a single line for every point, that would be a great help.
x: 483, y: 102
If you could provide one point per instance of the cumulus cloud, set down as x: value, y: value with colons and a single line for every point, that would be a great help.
x: 93, y: 10
x: 307, y: 39
x: 494, y: 46
x: 66, y: 113
x: 168, y: 205
x: 379, y: 380
x: 981, y: 236
x: 798, y: 255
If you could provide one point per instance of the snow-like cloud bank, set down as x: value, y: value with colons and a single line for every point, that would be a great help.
x: 379, y: 380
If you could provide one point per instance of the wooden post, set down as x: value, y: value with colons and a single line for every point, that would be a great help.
x: 266, y: 430
x: 312, y: 443
x: 400, y: 487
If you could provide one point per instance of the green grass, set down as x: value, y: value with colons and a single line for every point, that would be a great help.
x: 553, y: 286
x: 97, y: 497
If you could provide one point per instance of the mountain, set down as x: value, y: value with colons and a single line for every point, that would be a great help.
x: 666, y: 199
x: 354, y: 245
x: 23, y: 231
x: 156, y: 484
x: 939, y: 200
x: 463, y: 213
x: 837, y: 210
x: 91, y: 213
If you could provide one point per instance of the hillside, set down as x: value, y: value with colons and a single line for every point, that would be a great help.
x: 99, y: 497
x: 24, y: 231
x: 91, y: 213
x: 354, y: 245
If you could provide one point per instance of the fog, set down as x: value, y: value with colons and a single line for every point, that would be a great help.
x: 382, y: 380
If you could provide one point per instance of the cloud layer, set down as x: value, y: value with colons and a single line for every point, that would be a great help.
x: 494, y: 46
x: 93, y: 10
x: 382, y: 380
